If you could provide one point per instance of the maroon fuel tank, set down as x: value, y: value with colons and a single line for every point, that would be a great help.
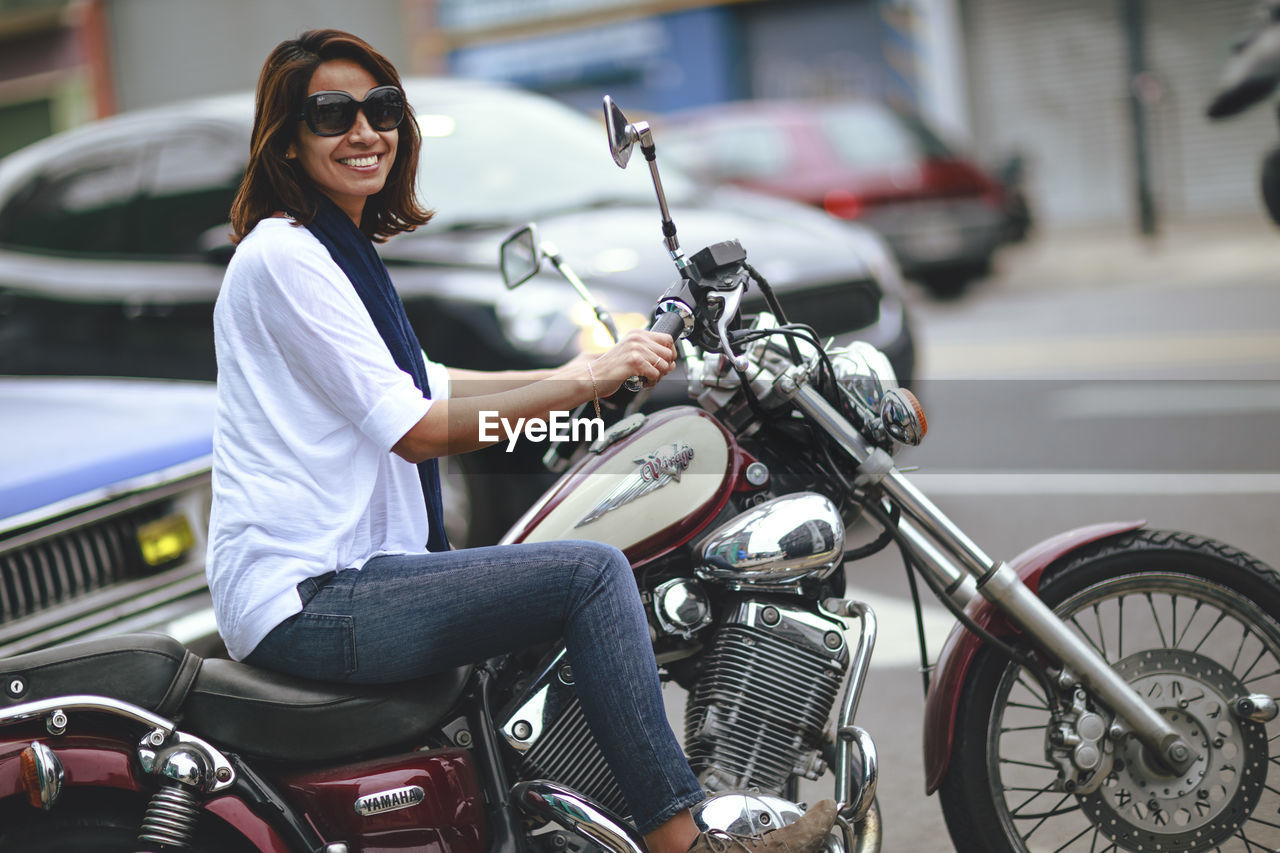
x: 648, y: 486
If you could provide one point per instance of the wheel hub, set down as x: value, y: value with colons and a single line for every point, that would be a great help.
x: 1140, y: 802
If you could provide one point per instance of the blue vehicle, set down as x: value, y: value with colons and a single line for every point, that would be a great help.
x: 104, y: 506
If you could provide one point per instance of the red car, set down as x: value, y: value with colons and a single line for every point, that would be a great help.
x: 942, y: 215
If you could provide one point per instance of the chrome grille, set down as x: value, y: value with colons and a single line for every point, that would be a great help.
x: 37, y: 575
x: 758, y: 710
x: 79, y: 570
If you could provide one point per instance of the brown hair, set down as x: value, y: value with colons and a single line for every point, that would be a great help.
x: 273, y: 183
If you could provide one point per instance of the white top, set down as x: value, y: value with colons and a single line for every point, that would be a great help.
x: 310, y: 403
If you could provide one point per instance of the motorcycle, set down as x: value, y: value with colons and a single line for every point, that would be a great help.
x: 1109, y: 689
x: 1250, y: 75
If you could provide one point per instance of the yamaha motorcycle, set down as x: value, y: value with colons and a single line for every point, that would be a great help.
x: 1110, y: 689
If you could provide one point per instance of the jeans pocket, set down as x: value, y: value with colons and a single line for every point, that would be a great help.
x: 320, y: 646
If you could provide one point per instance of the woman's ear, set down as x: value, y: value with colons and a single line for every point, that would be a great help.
x: 291, y: 152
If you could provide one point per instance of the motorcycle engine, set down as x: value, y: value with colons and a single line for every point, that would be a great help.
x: 754, y: 717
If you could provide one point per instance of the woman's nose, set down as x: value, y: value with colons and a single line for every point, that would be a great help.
x: 361, y: 130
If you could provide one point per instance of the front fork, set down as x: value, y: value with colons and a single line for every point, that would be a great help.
x: 999, y: 584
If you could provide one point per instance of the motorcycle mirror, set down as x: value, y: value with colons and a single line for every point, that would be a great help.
x: 622, y: 134
x: 1253, y: 70
x: 520, y: 256
x: 1271, y: 183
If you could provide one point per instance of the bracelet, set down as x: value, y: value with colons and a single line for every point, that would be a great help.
x: 595, y: 392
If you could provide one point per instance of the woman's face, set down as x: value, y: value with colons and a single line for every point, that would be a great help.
x: 352, y: 166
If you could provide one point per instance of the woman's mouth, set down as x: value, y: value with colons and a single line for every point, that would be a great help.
x: 360, y: 162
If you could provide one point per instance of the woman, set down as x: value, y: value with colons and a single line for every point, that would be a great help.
x: 330, y: 421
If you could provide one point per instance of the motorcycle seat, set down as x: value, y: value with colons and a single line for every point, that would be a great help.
x: 272, y: 716
x: 151, y: 671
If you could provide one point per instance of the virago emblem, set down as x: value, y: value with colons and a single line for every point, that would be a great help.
x: 660, y: 467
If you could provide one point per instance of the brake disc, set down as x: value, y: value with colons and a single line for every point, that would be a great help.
x: 1141, y: 805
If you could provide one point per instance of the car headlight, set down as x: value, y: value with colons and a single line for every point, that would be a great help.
x: 544, y: 325
x: 593, y: 337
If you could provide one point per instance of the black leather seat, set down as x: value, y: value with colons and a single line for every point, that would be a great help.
x: 268, y: 715
x: 151, y: 671
x: 240, y: 708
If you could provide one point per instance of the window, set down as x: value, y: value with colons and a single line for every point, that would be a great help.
x: 873, y: 136
x: 86, y: 207
x: 193, y: 179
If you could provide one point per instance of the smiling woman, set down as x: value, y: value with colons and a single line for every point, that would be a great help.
x: 328, y: 557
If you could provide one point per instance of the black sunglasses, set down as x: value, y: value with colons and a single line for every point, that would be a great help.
x: 333, y: 113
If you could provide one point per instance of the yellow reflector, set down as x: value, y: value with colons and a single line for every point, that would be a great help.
x: 29, y: 774
x: 165, y: 539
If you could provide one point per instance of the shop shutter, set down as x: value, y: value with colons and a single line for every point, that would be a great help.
x: 1050, y: 79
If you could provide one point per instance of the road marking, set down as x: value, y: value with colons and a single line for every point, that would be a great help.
x: 1037, y: 356
x: 896, y: 640
x: 1097, y: 483
x: 1096, y: 400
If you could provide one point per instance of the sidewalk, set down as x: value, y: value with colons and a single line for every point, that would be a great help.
x: 1181, y: 255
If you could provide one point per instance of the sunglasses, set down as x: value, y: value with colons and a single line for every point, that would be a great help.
x: 333, y: 113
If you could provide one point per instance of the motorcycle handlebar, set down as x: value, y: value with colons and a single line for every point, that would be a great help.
x: 670, y: 323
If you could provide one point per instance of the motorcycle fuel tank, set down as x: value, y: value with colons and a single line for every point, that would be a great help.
x: 647, y: 486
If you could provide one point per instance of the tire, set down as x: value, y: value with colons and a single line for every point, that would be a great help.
x: 87, y: 821
x: 1201, y: 626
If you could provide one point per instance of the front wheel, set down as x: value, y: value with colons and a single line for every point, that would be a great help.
x: 1194, y: 626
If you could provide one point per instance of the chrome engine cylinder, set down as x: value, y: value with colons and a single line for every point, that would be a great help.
x: 755, y: 717
x: 769, y: 682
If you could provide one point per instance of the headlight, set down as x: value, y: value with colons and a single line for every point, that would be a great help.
x: 560, y: 324
x: 593, y: 337
x: 864, y: 372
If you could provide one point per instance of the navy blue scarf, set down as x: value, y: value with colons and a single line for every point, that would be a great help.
x: 353, y: 251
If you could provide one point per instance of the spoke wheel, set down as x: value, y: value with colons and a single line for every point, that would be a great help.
x: 1192, y: 625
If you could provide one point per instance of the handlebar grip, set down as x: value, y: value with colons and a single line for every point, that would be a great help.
x: 669, y: 322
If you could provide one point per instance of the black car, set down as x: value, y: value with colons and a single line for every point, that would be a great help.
x: 114, y: 237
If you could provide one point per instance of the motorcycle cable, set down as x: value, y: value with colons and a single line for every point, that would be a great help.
x: 1013, y: 654
x: 775, y: 306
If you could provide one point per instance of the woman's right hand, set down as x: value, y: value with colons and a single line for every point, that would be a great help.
x: 649, y: 355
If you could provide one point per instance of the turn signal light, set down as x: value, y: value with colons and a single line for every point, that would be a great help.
x: 40, y: 774
x: 903, y: 417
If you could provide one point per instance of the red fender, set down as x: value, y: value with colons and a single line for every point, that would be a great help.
x: 961, y: 646
x: 106, y: 762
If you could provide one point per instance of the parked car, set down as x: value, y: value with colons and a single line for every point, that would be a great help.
x: 861, y: 161
x: 104, y: 506
x: 113, y: 240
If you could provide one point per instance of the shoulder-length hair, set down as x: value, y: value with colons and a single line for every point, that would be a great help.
x: 273, y: 183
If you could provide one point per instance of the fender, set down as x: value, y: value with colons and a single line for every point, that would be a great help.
x: 961, y: 646
x: 106, y: 762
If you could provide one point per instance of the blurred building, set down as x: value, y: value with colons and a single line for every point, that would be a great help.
x: 1054, y: 80
x: 1104, y: 98
x: 52, y: 68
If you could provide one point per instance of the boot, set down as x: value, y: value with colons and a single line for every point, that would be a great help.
x: 806, y: 835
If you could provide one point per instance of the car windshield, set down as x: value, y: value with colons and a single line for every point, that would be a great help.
x: 490, y: 161
x: 871, y: 136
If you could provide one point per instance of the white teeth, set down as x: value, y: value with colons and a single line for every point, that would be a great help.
x: 371, y: 160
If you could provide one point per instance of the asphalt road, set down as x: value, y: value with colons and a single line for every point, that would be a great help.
x: 1051, y: 410
x: 1054, y: 409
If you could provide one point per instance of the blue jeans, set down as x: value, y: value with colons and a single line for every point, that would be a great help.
x: 405, y: 616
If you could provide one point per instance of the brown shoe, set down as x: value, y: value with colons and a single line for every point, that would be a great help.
x: 805, y: 835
